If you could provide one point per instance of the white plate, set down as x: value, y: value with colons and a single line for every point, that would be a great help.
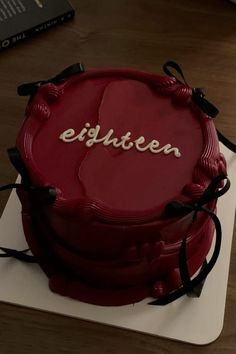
x: 197, y: 321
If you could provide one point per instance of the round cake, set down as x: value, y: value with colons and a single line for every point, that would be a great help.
x: 105, y: 152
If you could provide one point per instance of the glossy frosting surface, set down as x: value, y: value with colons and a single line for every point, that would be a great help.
x: 121, y: 180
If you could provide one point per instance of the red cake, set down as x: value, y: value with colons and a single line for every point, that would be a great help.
x: 114, y: 148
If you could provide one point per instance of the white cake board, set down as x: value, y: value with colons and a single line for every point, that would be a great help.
x: 198, y: 321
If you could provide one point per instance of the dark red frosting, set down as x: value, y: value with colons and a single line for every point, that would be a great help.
x: 108, y: 235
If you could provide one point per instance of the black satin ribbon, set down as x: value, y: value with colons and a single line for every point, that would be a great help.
x: 198, y: 98
x: 197, y: 93
x: 19, y: 255
x: 7, y: 252
x: 31, y: 88
x: 173, y: 65
x: 226, y: 141
x: 10, y: 186
x: 45, y: 194
x: 193, y: 287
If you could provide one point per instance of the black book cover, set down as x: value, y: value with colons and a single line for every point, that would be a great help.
x: 20, y: 19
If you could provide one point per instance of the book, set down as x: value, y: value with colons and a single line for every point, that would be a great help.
x: 21, y: 19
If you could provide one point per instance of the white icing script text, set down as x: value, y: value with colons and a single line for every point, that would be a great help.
x: 124, y: 142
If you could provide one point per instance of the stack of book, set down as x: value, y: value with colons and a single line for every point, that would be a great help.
x: 20, y: 19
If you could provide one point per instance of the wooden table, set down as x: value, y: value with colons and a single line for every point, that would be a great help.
x: 143, y: 34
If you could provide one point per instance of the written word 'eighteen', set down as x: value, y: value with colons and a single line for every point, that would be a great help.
x: 124, y: 142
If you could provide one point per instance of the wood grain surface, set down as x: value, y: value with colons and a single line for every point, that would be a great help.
x: 201, y: 36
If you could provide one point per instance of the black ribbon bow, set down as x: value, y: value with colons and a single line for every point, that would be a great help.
x: 197, y: 93
x: 193, y: 287
x: 198, y: 98
x: 45, y: 194
x: 31, y: 88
